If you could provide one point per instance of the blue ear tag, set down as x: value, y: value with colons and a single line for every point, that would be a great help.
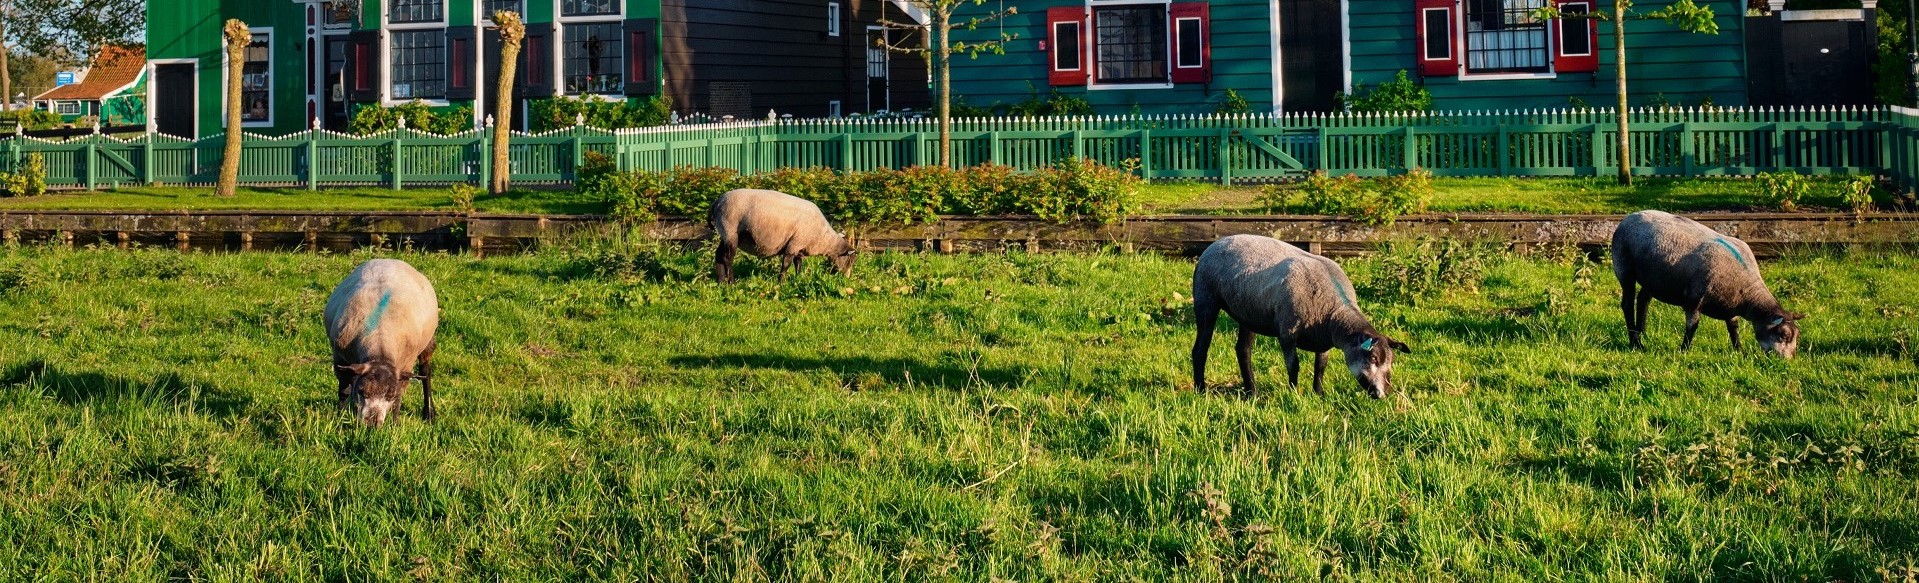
x: 1367, y: 345
x: 1776, y: 323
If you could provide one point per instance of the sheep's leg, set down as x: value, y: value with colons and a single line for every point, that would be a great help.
x: 1206, y: 317
x: 1319, y: 373
x: 1732, y: 331
x: 1292, y: 363
x: 1692, y: 325
x: 346, y: 383
x: 1645, y: 305
x: 1244, y: 349
x: 426, y: 381
x: 723, y: 261
x: 785, y: 262
x: 799, y: 268
x: 1634, y: 326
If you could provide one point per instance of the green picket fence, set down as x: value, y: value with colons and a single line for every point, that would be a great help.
x: 1224, y: 148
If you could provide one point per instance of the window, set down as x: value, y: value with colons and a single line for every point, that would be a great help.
x: 336, y: 13
x: 1066, y: 48
x: 833, y: 108
x: 67, y: 107
x: 1190, y: 45
x: 411, y: 11
x: 1130, y: 44
x: 256, y: 80
x: 513, y: 6
x: 1577, y: 32
x: 589, y: 7
x: 1438, y: 46
x: 832, y: 19
x: 1502, y: 36
x: 419, y: 64
x: 592, y: 56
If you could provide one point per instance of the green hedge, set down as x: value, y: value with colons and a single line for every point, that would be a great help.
x: 1069, y: 191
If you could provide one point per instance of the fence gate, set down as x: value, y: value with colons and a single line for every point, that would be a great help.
x: 1268, y: 153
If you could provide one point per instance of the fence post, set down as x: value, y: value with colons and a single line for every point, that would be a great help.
x: 1505, y: 151
x: 1599, y: 149
x: 485, y: 180
x: 146, y: 158
x: 1146, y: 154
x: 846, y: 151
x: 93, y: 159
x: 1778, y: 148
x: 1225, y: 157
x: 398, y: 164
x: 313, y: 156
x: 1319, y: 151
x: 992, y: 147
x: 1410, y: 152
x: 1079, y: 144
x: 1686, y: 150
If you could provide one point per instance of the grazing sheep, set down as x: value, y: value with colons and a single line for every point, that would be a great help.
x: 768, y: 223
x: 1275, y: 289
x: 381, y: 320
x: 1678, y: 261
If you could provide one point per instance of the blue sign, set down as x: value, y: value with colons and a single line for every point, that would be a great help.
x: 63, y: 78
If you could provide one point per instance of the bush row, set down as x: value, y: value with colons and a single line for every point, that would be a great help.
x: 1071, y: 190
x: 1378, y: 201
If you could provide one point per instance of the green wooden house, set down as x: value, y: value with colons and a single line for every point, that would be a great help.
x: 1172, y: 56
x: 322, y: 59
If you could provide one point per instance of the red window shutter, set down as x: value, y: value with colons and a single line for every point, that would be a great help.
x: 1576, y: 48
x: 462, y: 62
x: 363, y: 66
x: 1066, y: 60
x: 1436, y: 26
x: 639, y: 56
x: 1192, y: 42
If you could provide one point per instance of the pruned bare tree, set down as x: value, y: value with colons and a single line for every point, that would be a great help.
x: 512, y: 34
x: 937, y: 46
x: 238, y: 37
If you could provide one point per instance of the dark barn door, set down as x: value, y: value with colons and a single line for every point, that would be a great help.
x: 173, y: 100
x: 1827, y: 63
x: 1309, y: 55
x: 335, y: 117
x: 878, y: 79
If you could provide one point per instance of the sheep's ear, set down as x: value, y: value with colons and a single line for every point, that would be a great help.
x: 1795, y: 317
x: 361, y: 368
x: 1399, y: 346
x: 406, y: 376
x: 1362, y: 341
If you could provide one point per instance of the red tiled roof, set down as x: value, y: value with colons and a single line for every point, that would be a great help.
x: 114, y: 68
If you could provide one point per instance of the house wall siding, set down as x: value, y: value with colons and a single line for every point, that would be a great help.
x: 776, y: 54
x: 1242, y: 61
x: 1663, y: 62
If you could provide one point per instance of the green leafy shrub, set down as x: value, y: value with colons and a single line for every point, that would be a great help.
x: 690, y: 190
x: 463, y: 195
x: 1378, y: 202
x: 564, y: 112
x: 32, y: 119
x: 1397, y: 195
x: 1857, y: 194
x: 1081, y: 189
x: 991, y: 189
x: 1784, y: 189
x: 1415, y: 270
x: 1233, y: 102
x: 1399, y: 94
x: 371, y: 119
x: 1324, y: 194
x: 29, y: 180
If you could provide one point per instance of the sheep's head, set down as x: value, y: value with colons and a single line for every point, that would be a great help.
x: 843, y: 261
x: 375, y: 389
x: 1779, y: 333
x: 1369, y: 355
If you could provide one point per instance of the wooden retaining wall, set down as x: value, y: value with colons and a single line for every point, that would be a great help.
x: 482, y: 234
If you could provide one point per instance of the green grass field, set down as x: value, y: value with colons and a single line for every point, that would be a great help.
x: 609, y: 414
x: 1452, y: 195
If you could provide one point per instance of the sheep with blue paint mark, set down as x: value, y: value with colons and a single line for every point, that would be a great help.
x: 1678, y: 261
x: 381, y: 320
x: 1274, y: 289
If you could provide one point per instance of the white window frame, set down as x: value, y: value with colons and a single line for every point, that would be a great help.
x: 559, y: 49
x: 1591, y: 47
x: 1079, y: 40
x: 1090, y: 53
x: 1423, y: 55
x: 1465, y: 61
x: 833, y: 108
x: 153, y: 70
x: 321, y: 5
x: 60, y: 107
x: 832, y: 19
x: 387, y: 28
x: 272, y: 92
x: 1177, y: 41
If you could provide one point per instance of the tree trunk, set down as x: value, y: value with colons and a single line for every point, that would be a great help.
x: 1619, y: 62
x: 238, y: 37
x: 6, y: 63
x: 512, y: 34
x: 943, y: 76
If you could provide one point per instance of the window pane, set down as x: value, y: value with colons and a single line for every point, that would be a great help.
x: 256, y: 80
x: 1130, y: 44
x: 1574, y: 30
x: 1503, y: 37
x: 405, y: 11
x: 419, y: 64
x: 341, y: 12
x: 1189, y: 43
x: 513, y: 6
x: 1066, y: 54
x: 1438, y: 46
x: 588, y: 7
x: 593, y: 57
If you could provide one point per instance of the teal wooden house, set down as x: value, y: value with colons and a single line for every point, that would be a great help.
x: 1171, y: 56
x: 321, y: 59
